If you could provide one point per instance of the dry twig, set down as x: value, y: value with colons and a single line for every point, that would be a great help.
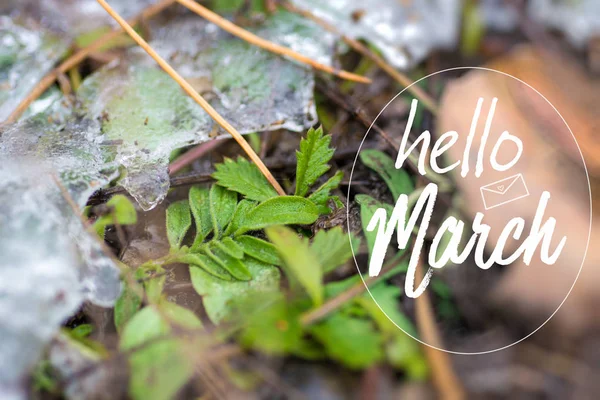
x: 442, y: 371
x: 194, y: 95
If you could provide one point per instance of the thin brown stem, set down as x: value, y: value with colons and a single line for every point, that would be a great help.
x: 399, y: 77
x: 265, y: 44
x: 78, y: 57
x: 192, y: 155
x: 185, y: 85
x: 443, y: 374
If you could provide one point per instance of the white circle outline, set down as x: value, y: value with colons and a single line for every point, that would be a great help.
x: 348, y: 210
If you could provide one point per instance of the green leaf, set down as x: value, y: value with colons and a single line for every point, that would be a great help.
x: 161, y: 368
x: 402, y: 351
x: 351, y: 341
x: 222, y: 206
x: 122, y: 212
x: 321, y: 196
x: 245, y: 178
x: 313, y: 156
x: 227, y: 245
x: 180, y: 315
x: 368, y: 206
x: 283, y: 210
x: 271, y: 325
x: 125, y: 307
x: 200, y: 205
x: 206, y: 263
x: 155, y: 283
x: 242, y: 209
x: 259, y: 249
x: 123, y: 209
x: 178, y: 222
x: 301, y: 264
x: 332, y: 248
x: 219, y: 296
x: 397, y: 180
x: 235, y: 267
x: 387, y: 302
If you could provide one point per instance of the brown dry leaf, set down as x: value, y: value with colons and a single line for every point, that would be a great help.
x: 550, y: 162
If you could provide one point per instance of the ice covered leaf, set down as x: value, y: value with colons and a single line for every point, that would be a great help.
x: 254, y: 89
x: 27, y: 53
x: 145, y: 115
x: 49, y: 266
x: 404, y: 31
x: 219, y: 296
x: 69, y: 145
x: 579, y: 20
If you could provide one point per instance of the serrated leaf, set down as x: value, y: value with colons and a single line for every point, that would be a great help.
x: 219, y: 297
x: 259, y: 249
x: 230, y: 247
x: 313, y: 156
x: 232, y: 265
x: 245, y: 178
x: 206, y: 263
x: 333, y: 248
x: 200, y: 206
x: 179, y: 221
x: 351, y: 341
x: 160, y: 369
x: 222, y: 206
x: 242, y: 209
x: 322, y: 195
x: 301, y: 264
x: 397, y: 180
x: 283, y: 210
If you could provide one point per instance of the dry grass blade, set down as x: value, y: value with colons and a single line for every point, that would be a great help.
x: 265, y: 44
x: 442, y: 372
x: 194, y: 95
x: 78, y: 57
x: 399, y: 77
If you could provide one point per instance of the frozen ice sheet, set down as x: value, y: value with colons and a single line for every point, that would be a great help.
x: 404, y: 31
x: 49, y: 266
x: 27, y: 53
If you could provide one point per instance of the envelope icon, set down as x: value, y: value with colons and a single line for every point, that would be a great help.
x: 504, y: 191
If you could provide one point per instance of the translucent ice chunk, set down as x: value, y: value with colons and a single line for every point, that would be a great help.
x: 579, y: 20
x: 404, y: 31
x: 27, y: 53
x: 46, y: 270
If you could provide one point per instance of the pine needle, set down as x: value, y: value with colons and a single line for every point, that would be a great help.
x: 194, y: 95
x: 265, y: 44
